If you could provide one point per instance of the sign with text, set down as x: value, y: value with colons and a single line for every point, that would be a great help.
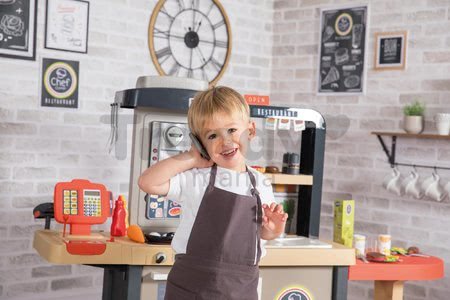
x: 257, y: 100
x: 59, y: 83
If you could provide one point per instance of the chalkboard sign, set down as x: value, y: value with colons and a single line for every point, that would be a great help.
x: 18, y: 28
x: 342, y: 50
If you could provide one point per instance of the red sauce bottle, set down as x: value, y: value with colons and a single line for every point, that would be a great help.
x: 118, y: 227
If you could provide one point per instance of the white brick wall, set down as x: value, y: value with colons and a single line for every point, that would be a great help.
x: 274, y: 52
x: 41, y: 146
x: 355, y: 163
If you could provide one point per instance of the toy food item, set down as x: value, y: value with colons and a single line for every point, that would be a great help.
x: 399, y: 250
x: 413, y: 250
x: 174, y: 211
x: 135, y: 233
x: 272, y: 169
x: 375, y: 256
x: 259, y: 169
x: 391, y: 258
x: 378, y: 257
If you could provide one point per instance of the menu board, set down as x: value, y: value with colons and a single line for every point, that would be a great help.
x: 17, y: 28
x: 342, y: 50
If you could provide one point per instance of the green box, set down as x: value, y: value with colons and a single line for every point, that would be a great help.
x: 344, y: 218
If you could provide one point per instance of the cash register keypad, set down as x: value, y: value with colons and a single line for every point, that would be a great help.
x: 70, y: 205
x: 92, y: 203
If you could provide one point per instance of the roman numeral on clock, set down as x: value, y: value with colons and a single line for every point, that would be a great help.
x: 163, y: 54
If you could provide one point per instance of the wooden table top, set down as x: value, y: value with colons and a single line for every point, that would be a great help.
x: 409, y: 268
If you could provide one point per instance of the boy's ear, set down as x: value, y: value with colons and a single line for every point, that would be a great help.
x: 252, y: 130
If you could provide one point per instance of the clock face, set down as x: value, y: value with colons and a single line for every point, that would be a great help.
x: 190, y: 38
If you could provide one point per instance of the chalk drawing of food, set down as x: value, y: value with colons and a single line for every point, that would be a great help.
x: 12, y: 25
x: 332, y: 76
x: 341, y: 56
x: 327, y: 34
x: 352, y: 81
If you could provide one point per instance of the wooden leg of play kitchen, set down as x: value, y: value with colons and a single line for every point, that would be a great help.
x: 388, y: 290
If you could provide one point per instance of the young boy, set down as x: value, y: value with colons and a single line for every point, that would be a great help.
x: 218, y: 238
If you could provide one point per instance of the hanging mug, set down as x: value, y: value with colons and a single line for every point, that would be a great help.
x: 393, y: 182
x: 433, y: 188
x: 411, y: 185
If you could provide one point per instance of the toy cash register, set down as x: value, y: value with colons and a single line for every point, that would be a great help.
x: 81, y: 204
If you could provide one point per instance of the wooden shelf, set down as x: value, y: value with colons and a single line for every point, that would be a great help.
x: 409, y: 135
x: 394, y: 135
x: 290, y: 179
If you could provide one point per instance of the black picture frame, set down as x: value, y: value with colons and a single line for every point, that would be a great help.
x: 343, y: 50
x: 18, y: 21
x: 68, y: 28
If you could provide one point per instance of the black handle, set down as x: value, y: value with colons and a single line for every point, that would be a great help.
x: 44, y: 210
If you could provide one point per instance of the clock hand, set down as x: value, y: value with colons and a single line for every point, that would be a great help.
x: 199, y: 24
x: 190, y: 60
x: 193, y: 15
x: 201, y: 54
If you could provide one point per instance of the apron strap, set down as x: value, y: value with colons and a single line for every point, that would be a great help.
x: 255, y: 194
x: 212, y: 177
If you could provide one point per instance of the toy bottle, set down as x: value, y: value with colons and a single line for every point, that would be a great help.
x: 118, y: 227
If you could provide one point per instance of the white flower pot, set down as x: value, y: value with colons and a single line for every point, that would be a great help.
x: 413, y: 124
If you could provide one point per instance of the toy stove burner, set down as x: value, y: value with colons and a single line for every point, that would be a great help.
x: 159, y: 238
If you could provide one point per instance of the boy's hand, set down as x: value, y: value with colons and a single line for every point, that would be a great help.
x: 273, y: 222
x: 199, y: 161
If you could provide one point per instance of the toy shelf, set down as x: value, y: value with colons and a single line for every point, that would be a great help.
x: 277, y: 178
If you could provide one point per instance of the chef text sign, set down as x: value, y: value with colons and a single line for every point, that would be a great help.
x: 59, y: 83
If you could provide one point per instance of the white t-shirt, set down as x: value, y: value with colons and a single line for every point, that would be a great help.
x: 188, y: 188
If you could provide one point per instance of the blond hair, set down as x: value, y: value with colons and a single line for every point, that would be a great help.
x: 215, y: 100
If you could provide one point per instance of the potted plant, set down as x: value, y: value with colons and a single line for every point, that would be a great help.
x: 413, y: 117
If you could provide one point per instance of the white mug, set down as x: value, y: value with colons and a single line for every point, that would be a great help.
x: 411, y: 185
x: 433, y: 189
x: 447, y: 188
x: 393, y: 182
x: 442, y: 121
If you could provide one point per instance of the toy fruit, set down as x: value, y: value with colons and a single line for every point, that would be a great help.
x: 135, y: 233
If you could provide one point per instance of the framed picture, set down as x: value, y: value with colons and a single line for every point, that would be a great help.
x: 59, y: 83
x: 390, y: 50
x: 342, y: 50
x: 18, y: 29
x: 67, y: 25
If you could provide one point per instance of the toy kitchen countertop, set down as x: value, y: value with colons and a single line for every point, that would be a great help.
x: 121, y: 250
x: 134, y: 271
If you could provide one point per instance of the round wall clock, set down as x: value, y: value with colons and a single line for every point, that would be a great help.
x: 190, y: 38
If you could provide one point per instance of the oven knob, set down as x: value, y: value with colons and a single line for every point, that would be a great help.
x: 160, y: 257
x: 174, y: 135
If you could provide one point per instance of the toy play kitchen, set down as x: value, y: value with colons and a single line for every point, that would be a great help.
x: 299, y: 266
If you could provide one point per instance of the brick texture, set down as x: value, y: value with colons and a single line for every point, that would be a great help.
x: 275, y: 46
x: 354, y: 161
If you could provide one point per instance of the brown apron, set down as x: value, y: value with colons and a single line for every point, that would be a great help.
x: 223, y: 250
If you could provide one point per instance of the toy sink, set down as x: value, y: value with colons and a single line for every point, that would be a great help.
x: 296, y: 242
